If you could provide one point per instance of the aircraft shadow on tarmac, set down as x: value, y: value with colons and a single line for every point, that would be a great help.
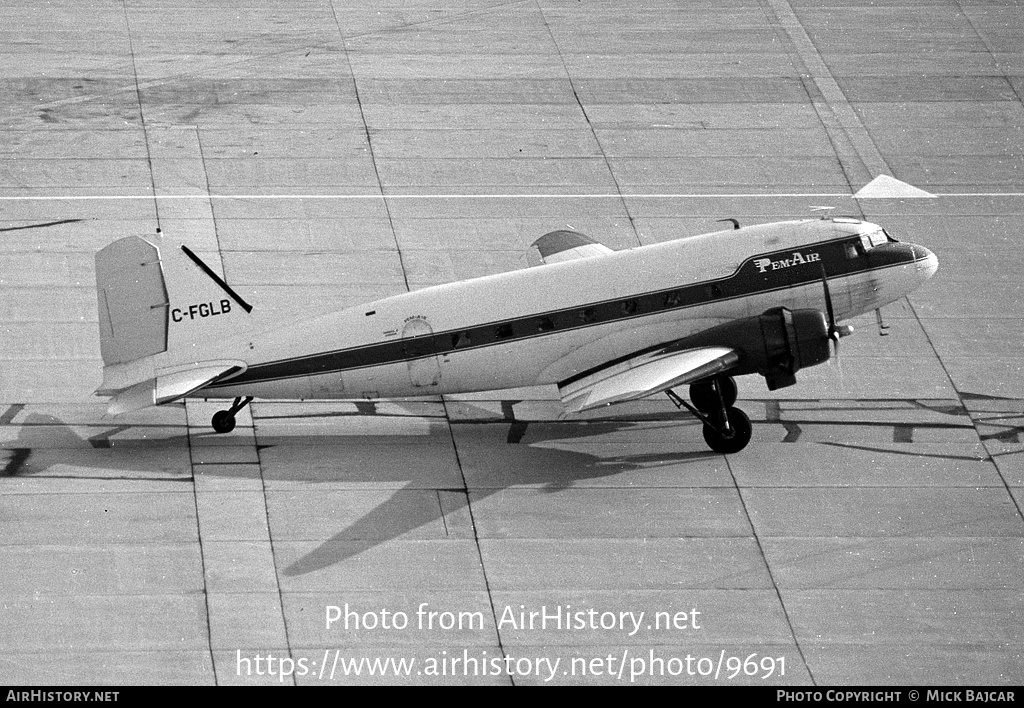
x: 48, y: 447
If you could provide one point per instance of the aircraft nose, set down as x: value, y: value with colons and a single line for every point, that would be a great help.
x: 927, y: 262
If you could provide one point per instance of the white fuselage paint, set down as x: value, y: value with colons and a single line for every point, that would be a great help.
x: 552, y: 357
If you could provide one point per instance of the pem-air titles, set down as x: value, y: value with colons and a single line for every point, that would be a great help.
x: 765, y: 264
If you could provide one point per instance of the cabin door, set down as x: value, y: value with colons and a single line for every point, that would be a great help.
x: 418, y: 349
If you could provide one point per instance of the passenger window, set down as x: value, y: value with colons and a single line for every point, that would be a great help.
x: 854, y: 249
x: 503, y: 332
x: 673, y: 299
x: 460, y: 339
x: 588, y: 315
x: 545, y: 324
x: 629, y: 307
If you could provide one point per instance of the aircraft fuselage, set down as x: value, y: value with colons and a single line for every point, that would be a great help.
x: 546, y: 324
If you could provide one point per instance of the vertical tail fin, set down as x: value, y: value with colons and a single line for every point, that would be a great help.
x: 168, y: 322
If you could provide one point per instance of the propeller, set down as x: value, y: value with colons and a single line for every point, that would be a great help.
x: 835, y: 331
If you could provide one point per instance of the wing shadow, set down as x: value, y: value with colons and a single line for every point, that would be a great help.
x: 523, y: 466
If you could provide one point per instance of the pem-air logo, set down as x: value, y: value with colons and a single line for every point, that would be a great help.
x: 798, y: 258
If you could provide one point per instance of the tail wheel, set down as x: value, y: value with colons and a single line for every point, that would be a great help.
x: 704, y: 398
x: 733, y: 440
x: 223, y: 421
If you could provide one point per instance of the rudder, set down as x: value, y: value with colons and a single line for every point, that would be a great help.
x: 133, y: 302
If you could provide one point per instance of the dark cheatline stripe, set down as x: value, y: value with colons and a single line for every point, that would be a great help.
x: 752, y: 277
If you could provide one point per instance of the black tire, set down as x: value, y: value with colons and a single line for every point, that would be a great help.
x: 741, y: 433
x: 702, y: 394
x: 223, y: 422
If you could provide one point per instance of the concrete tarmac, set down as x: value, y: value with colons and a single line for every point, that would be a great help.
x: 324, y: 154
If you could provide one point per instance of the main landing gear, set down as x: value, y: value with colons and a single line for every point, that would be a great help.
x: 727, y: 429
x: 224, y: 421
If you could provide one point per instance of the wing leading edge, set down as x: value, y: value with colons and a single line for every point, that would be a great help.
x: 645, y: 375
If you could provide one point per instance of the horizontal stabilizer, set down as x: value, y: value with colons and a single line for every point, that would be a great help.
x: 169, y: 386
x: 132, y: 399
x: 645, y: 375
x: 559, y: 246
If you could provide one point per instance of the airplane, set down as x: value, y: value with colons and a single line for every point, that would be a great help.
x: 604, y: 326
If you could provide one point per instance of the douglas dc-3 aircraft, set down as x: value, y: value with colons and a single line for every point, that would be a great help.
x: 604, y: 326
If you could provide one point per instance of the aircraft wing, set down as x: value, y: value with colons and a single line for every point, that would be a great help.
x: 644, y: 375
x: 169, y: 386
x: 559, y: 246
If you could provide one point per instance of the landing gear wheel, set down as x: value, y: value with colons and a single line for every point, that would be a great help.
x: 704, y: 398
x: 737, y: 437
x: 223, y: 421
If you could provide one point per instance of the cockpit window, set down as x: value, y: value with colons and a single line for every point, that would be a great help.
x: 874, y: 238
x: 864, y: 240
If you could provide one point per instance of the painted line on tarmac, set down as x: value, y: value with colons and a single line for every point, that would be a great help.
x: 353, y: 197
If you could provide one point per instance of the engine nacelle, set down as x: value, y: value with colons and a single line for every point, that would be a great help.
x: 791, y: 340
x: 775, y: 344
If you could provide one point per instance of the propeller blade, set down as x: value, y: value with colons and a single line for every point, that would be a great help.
x: 828, y: 303
x: 835, y: 332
